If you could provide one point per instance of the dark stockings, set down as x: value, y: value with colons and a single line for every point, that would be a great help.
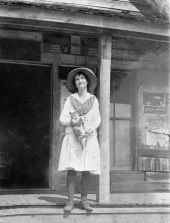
x: 71, y: 178
x: 85, y: 185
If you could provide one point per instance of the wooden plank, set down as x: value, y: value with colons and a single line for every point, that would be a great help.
x: 135, y: 36
x: 105, y: 46
x: 126, y: 177
x: 74, y: 29
x: 87, y: 21
x: 140, y: 187
x: 75, y: 50
x: 159, y: 177
x: 125, y: 54
x: 48, y: 58
x: 76, y: 60
x: 55, y: 147
x: 168, y: 95
x: 153, y: 153
x: 75, y: 44
x: 75, y: 40
x: 51, y: 48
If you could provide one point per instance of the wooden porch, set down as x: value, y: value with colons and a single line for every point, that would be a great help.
x: 126, y: 48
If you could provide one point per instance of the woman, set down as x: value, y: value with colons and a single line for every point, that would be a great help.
x: 80, y: 150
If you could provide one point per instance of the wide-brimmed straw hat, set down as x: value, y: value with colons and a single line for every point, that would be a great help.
x: 91, y: 78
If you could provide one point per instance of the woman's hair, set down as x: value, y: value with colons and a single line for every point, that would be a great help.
x: 87, y: 78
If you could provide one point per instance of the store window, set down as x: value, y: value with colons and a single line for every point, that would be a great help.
x: 140, y: 110
x: 153, y: 116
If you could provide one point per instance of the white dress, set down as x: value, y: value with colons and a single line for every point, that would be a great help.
x: 72, y: 156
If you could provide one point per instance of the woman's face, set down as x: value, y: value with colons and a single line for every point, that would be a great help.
x: 80, y: 81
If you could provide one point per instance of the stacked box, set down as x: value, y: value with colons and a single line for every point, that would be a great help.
x: 152, y: 164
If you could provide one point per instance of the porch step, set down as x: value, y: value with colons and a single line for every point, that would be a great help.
x: 99, y: 215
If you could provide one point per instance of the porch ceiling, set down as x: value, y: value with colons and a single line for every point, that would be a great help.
x: 142, y: 46
x: 131, y: 53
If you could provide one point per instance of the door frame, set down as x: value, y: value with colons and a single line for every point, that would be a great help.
x: 54, y: 176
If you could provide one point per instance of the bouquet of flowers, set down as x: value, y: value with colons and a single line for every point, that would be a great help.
x: 79, y: 128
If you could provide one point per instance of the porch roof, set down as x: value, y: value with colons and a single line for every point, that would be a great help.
x: 149, y: 11
x: 54, y: 16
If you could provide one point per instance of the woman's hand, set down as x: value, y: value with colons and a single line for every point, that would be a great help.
x: 76, y: 123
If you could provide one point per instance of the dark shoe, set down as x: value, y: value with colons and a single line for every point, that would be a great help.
x: 69, y: 206
x: 86, y: 206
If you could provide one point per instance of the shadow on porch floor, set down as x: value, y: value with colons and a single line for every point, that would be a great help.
x: 53, y: 199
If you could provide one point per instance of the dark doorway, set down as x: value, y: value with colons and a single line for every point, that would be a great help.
x: 25, y: 116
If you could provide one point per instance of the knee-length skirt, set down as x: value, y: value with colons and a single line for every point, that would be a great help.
x: 73, y: 157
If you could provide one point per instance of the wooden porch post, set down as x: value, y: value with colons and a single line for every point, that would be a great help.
x: 168, y: 95
x: 105, y: 46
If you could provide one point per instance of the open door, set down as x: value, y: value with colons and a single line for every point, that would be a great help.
x: 25, y: 122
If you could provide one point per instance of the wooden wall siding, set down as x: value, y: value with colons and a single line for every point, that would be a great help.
x: 153, y: 152
x: 76, y: 60
x: 51, y: 48
x: 15, y: 34
x: 56, y: 43
x: 141, y: 46
x: 125, y: 58
x: 157, y: 176
x: 126, y: 176
x: 136, y: 10
x: 144, y: 186
x: 123, y: 49
x: 139, y: 181
x: 122, y: 54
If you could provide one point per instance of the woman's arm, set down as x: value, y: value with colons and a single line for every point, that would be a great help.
x: 65, y: 117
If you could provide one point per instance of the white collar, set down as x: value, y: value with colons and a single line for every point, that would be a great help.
x: 88, y: 95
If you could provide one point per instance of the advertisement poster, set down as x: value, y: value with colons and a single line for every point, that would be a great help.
x: 155, y: 119
x: 154, y: 103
